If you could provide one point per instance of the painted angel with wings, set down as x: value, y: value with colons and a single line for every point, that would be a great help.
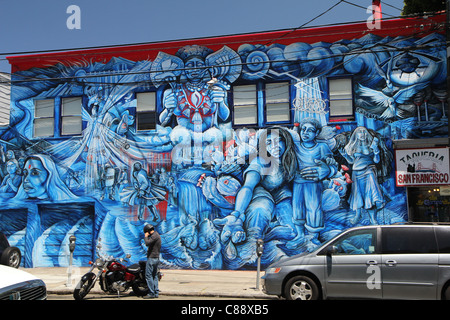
x: 389, y: 106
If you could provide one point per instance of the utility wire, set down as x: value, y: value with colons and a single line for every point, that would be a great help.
x: 282, y: 84
x: 365, y: 8
x: 384, y: 47
x: 32, y: 79
x: 68, y: 50
x: 171, y: 47
x: 390, y: 5
x: 306, y: 23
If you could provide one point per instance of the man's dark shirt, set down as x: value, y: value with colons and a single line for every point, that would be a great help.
x: 153, y: 242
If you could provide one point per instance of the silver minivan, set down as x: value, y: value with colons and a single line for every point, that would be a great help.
x: 375, y: 262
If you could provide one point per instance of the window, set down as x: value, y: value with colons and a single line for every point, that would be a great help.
x: 443, y: 238
x: 146, y: 110
x: 277, y: 102
x: 71, y: 116
x: 341, y: 97
x: 245, y: 105
x: 356, y: 242
x: 270, y: 100
x: 5, y: 92
x: 428, y: 204
x: 44, y: 118
x: 408, y: 240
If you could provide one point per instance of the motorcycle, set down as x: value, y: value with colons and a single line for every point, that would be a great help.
x: 114, y: 277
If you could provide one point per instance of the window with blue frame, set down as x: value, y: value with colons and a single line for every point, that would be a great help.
x: 277, y: 102
x: 71, y: 116
x: 146, y: 110
x: 57, y: 117
x: 44, y: 118
x: 341, y: 98
x: 260, y: 104
x: 245, y: 101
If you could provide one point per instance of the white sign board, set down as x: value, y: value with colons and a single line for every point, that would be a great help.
x: 422, y: 167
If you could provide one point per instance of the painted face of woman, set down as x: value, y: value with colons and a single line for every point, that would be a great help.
x: 34, y: 178
x: 11, y: 167
x: 362, y: 134
x: 275, y: 145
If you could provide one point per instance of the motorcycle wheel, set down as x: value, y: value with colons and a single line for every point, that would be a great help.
x: 83, y: 288
x: 140, y: 288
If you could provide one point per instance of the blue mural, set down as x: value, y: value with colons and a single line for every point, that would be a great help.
x: 210, y: 189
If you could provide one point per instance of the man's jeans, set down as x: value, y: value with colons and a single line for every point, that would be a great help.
x: 151, y: 275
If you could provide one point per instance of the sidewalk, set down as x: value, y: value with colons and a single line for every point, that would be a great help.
x: 210, y: 283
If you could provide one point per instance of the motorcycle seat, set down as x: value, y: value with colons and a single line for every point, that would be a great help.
x: 134, y: 268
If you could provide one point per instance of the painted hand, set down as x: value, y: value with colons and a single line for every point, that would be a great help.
x: 217, y: 94
x: 232, y: 228
x: 169, y: 100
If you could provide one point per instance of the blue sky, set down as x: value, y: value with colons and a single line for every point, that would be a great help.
x: 39, y: 25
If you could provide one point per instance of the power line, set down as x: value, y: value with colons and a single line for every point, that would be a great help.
x: 390, y: 5
x: 384, y: 47
x: 189, y: 39
x: 353, y: 54
x: 163, y: 48
x: 365, y: 8
x: 32, y: 79
x: 306, y: 23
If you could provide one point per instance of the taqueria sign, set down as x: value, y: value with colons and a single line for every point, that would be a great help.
x: 421, y: 167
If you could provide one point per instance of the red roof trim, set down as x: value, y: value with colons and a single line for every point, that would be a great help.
x: 395, y: 27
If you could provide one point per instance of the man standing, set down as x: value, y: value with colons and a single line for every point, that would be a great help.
x: 153, y: 242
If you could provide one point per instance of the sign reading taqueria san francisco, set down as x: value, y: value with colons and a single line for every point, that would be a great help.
x: 421, y: 167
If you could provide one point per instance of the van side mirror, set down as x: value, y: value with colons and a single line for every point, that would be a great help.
x: 330, y: 250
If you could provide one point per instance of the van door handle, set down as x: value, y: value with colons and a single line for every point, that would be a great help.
x: 372, y: 262
x: 391, y: 263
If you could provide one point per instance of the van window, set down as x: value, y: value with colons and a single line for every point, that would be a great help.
x: 3, y: 242
x: 408, y: 240
x: 357, y: 242
x: 443, y: 238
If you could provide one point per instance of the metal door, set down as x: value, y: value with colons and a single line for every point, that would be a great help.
x: 409, y: 263
x: 352, y: 270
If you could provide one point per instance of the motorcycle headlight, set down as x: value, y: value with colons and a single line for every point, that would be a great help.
x: 99, y: 262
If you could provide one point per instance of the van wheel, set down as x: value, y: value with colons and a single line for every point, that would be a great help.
x: 301, y: 288
x: 446, y: 295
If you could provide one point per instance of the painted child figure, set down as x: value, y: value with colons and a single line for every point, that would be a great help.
x: 315, y: 163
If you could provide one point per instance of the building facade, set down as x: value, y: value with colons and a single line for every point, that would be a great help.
x: 286, y: 136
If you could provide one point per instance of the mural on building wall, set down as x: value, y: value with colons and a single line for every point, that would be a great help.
x: 211, y: 190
